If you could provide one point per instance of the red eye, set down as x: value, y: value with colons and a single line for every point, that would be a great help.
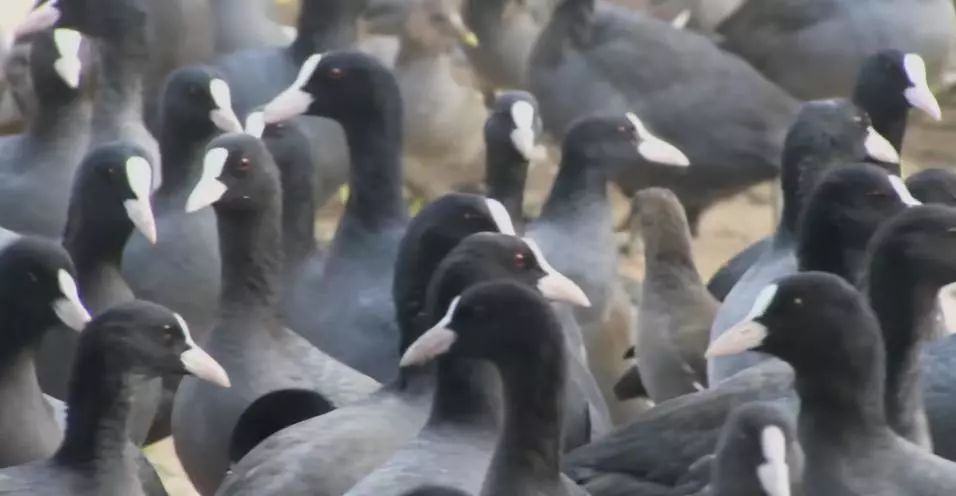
x: 520, y: 261
x: 336, y: 73
x: 244, y: 164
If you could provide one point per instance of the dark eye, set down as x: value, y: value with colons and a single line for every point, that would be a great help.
x: 437, y: 18
x: 336, y: 73
x: 168, y: 334
x: 194, y: 90
x: 520, y: 261
x: 880, y: 195
x: 244, y: 164
x: 470, y: 216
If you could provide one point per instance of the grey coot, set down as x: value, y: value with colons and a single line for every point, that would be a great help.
x: 814, y: 49
x: 506, y: 30
x: 131, y: 340
x: 359, y: 437
x: 853, y: 201
x: 825, y: 329
x: 676, y: 311
x: 889, y: 84
x: 119, y: 29
x: 444, y: 114
x: 39, y: 291
x: 456, y: 443
x: 241, y: 181
x: 514, y: 328
x: 110, y: 199
x: 259, y: 75
x: 36, y: 167
x: 604, y: 59
x: 827, y: 133
x: 347, y: 310
x: 576, y: 233
x: 907, y: 268
x: 181, y: 270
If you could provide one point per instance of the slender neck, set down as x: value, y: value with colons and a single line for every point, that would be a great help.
x: 906, y: 311
x: 93, y: 244
x: 99, y: 401
x: 18, y: 378
x: 581, y: 183
x: 181, y: 152
x: 251, y: 258
x: 530, y: 442
x: 375, y: 181
x: 835, y: 403
x: 119, y: 89
x: 507, y: 174
x: 56, y: 120
x: 469, y: 391
x: 798, y: 178
x: 298, y: 215
x: 323, y: 27
x: 667, y: 251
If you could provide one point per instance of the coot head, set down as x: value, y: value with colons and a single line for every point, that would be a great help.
x: 38, y: 290
x: 238, y: 174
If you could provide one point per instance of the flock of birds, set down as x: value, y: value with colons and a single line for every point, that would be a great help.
x: 160, y: 274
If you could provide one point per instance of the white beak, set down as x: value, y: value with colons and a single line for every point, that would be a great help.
x: 655, y: 149
x: 880, y: 148
x: 903, y: 192
x: 554, y: 285
x: 68, y: 308
x: 198, y: 363
x: 918, y: 94
x: 522, y: 137
x: 742, y: 337
x: 223, y: 116
x: 434, y: 342
x: 500, y: 216
x: 68, y: 65
x: 294, y: 100
x: 255, y: 124
x: 138, y: 209
x: 774, y: 473
x: 209, y: 189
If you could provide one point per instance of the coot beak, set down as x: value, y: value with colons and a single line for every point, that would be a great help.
x: 555, y: 285
x: 500, y: 216
x: 655, y: 149
x: 198, y: 363
x: 523, y: 137
x: 749, y: 333
x: 139, y: 174
x: 294, y: 100
x: 209, y: 189
x: 880, y: 148
x: 918, y: 94
x: 774, y: 473
x: 68, y: 65
x: 744, y: 336
x: 434, y: 342
x: 68, y: 308
x: 223, y: 116
x: 903, y: 192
